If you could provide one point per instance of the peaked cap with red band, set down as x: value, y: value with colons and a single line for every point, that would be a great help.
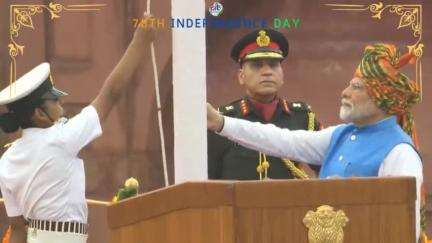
x: 261, y: 43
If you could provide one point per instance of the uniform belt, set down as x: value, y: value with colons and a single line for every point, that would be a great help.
x: 55, y: 226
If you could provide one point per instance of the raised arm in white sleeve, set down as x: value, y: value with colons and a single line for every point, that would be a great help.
x: 403, y: 160
x: 299, y: 145
x: 80, y: 130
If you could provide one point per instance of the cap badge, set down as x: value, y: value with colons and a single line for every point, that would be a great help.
x: 263, y: 39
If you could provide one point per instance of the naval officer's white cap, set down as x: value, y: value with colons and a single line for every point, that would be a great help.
x: 35, y: 84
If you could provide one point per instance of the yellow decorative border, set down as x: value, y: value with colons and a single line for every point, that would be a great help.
x: 20, y: 16
x: 410, y: 16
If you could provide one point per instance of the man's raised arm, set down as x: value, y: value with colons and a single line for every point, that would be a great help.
x: 299, y: 145
x: 116, y: 83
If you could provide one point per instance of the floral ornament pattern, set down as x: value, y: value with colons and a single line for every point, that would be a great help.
x: 20, y: 16
x: 410, y: 17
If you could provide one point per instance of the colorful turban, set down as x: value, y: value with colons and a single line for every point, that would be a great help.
x: 391, y: 90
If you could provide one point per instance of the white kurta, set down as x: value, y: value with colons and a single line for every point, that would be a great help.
x: 312, y: 146
x: 41, y: 176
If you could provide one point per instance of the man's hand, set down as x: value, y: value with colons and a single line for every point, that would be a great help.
x: 215, y: 120
x: 145, y: 33
x: 120, y: 78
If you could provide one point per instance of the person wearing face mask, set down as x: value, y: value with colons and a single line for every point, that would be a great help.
x: 378, y: 138
x: 259, y: 55
x: 42, y: 179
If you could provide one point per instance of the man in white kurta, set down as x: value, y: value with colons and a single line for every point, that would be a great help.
x: 373, y: 143
x: 46, y: 180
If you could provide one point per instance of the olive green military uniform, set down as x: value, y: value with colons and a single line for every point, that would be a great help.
x: 228, y: 160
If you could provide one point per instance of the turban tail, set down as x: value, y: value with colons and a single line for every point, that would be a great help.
x: 391, y: 90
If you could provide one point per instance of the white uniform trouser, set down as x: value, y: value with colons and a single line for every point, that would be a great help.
x: 42, y: 236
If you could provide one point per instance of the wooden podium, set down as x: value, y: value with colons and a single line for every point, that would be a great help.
x: 378, y: 210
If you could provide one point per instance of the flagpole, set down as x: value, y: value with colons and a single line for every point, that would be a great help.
x: 158, y: 105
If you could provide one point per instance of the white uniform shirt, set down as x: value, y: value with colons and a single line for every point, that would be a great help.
x: 311, y: 147
x: 41, y: 176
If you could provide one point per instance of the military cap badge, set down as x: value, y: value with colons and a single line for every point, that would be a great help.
x: 263, y: 39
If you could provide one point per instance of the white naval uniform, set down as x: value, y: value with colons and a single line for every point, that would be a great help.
x: 42, y: 178
x: 311, y: 147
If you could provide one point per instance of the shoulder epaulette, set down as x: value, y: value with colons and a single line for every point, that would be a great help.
x: 234, y: 108
x: 311, y: 117
x: 226, y: 110
x: 299, y: 106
